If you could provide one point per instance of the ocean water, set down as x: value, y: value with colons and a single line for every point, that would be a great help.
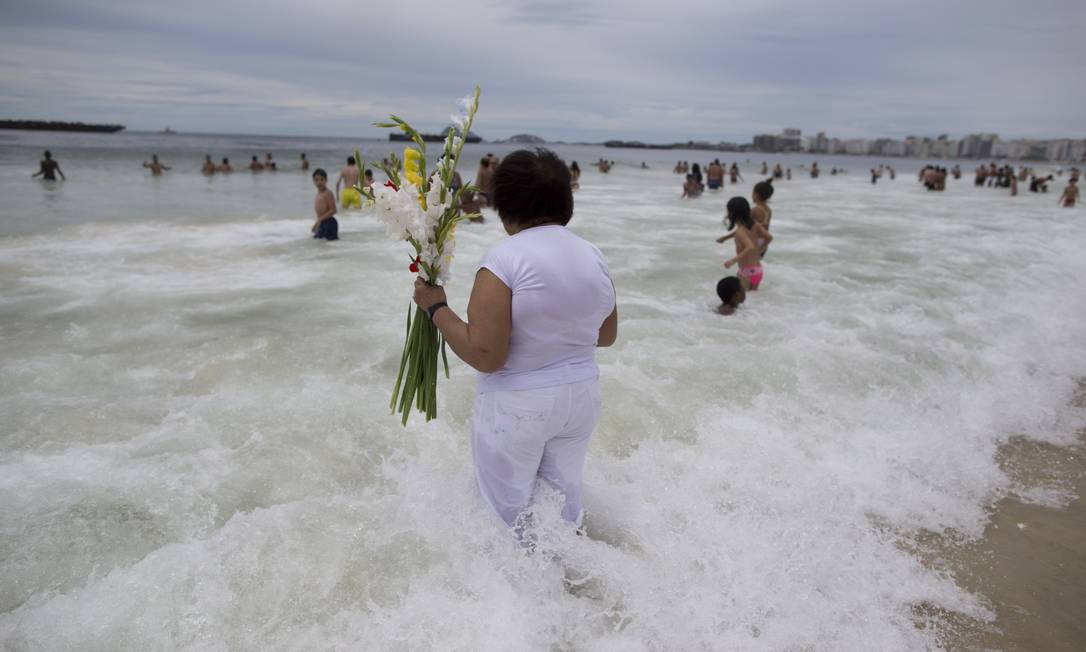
x: 196, y: 450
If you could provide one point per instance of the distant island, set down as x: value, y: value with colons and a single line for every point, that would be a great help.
x: 42, y: 125
x: 398, y: 137
x: 524, y: 139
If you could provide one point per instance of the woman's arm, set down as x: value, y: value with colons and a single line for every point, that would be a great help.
x: 483, y: 340
x: 609, y: 329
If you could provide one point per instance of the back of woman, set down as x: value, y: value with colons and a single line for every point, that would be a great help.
x: 561, y: 294
x: 541, y: 304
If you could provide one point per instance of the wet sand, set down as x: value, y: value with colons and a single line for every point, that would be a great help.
x: 1030, y: 565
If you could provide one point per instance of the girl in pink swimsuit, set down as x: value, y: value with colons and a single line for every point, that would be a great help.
x: 747, y: 235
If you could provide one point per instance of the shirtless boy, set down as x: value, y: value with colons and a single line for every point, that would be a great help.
x: 156, y: 167
x: 255, y: 165
x: 714, y: 175
x: 731, y: 293
x: 1070, y: 194
x: 48, y: 167
x: 305, y: 162
x: 348, y: 178
x: 225, y: 167
x: 324, y: 206
x: 209, y: 165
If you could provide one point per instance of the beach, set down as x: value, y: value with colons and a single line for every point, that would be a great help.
x: 197, y: 450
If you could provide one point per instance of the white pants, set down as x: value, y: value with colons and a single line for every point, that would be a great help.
x: 518, y: 436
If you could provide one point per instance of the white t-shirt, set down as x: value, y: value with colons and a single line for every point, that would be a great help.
x: 562, y: 293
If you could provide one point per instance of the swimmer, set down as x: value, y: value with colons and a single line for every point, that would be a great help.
x: 761, y: 212
x: 305, y: 162
x: 156, y: 167
x: 255, y: 165
x: 483, y: 177
x: 348, y: 178
x: 470, y: 204
x: 691, y: 188
x: 269, y: 164
x: 788, y: 174
x: 574, y: 175
x: 48, y: 168
x: 367, y: 179
x: 734, y: 173
x: 731, y: 293
x: 326, y: 226
x: 225, y: 166
x: 714, y: 175
x: 1070, y: 194
x: 814, y: 170
x: 747, y: 233
x: 644, y: 166
x: 209, y: 165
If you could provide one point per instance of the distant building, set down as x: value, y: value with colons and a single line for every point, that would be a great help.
x: 790, y: 140
x: 856, y: 146
x: 819, y: 144
x: 765, y: 143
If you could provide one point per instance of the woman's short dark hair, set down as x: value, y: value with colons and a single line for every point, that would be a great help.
x: 531, y: 188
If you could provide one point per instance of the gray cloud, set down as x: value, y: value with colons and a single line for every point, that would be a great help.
x: 570, y: 70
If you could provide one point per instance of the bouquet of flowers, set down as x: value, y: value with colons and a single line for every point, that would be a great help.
x: 423, y: 209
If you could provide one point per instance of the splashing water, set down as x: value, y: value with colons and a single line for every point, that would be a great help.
x: 197, y: 451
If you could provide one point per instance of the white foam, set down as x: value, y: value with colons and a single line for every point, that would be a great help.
x: 198, y: 452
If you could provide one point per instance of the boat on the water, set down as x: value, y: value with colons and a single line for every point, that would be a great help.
x: 52, y: 125
x: 432, y: 138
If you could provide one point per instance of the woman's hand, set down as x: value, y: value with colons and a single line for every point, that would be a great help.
x: 427, y: 295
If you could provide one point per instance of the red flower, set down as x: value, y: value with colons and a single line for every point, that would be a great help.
x: 389, y: 184
x: 415, y: 265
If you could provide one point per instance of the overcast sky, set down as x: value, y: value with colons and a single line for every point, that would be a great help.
x: 655, y: 71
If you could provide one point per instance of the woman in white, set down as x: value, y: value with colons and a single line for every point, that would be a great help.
x: 542, y: 302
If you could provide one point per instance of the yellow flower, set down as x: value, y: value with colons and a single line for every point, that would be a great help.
x: 412, y: 158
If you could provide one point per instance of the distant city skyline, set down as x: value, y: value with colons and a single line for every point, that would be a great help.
x: 569, y: 70
x: 970, y: 146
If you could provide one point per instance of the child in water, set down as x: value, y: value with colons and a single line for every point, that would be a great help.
x: 731, y: 293
x: 761, y: 212
x: 747, y: 234
x: 324, y: 206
